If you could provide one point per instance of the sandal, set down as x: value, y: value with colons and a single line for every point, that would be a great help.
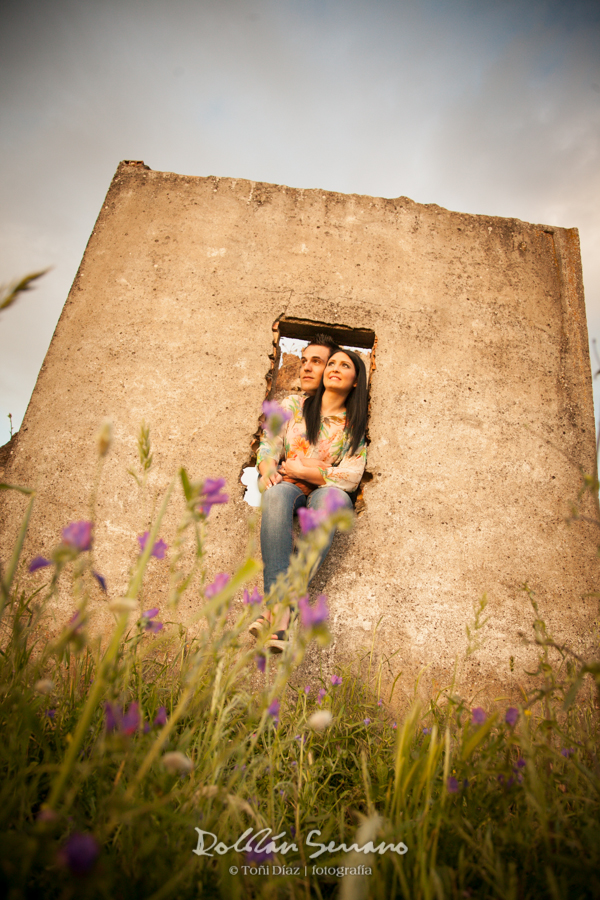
x: 278, y: 641
x: 258, y: 626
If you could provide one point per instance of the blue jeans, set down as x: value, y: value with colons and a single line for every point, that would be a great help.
x: 279, y: 503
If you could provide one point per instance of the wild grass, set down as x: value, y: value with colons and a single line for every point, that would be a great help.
x: 182, y: 763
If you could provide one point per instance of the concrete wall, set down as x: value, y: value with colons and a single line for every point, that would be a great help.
x: 481, y: 402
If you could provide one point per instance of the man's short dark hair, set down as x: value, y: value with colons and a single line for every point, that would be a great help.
x: 324, y: 340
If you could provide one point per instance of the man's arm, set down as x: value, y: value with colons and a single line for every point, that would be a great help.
x: 271, y: 450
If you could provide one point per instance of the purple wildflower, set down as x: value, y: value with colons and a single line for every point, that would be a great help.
x: 51, y: 713
x: 310, y: 518
x: 159, y: 548
x: 394, y: 725
x: 452, y: 785
x: 38, y: 562
x: 521, y: 763
x: 131, y: 719
x: 80, y: 853
x: 307, y: 688
x: 210, y: 494
x: 322, y: 694
x: 511, y: 717
x: 147, y: 622
x: 158, y: 551
x: 118, y: 720
x: 427, y: 731
x: 336, y: 680
x: 160, y: 718
x: 478, y: 715
x: 78, y: 535
x: 367, y: 721
x: 311, y: 616
x: 217, y: 586
x: 261, y: 662
x: 275, y: 417
x: 112, y: 716
x: 252, y: 599
x: 76, y: 621
x: 380, y: 702
x: 257, y: 856
x: 100, y: 579
x: 334, y: 501
x: 273, y: 711
x: 566, y: 752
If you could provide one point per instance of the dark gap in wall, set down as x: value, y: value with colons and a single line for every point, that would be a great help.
x: 305, y: 329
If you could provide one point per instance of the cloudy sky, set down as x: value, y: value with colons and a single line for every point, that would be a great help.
x: 478, y: 106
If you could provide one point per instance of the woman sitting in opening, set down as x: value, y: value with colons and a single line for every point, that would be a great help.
x: 321, y: 450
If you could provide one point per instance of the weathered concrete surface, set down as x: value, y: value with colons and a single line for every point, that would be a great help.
x: 481, y: 402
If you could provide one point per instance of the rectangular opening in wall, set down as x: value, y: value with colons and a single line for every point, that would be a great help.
x: 293, y: 335
x: 290, y: 337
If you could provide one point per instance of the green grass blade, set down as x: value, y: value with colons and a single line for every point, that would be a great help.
x: 11, y: 569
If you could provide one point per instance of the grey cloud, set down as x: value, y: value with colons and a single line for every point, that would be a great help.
x: 478, y: 106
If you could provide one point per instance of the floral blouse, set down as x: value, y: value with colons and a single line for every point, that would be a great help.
x: 340, y: 469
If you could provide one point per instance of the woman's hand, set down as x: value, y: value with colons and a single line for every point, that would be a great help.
x: 294, y: 467
x: 269, y: 475
x: 268, y: 480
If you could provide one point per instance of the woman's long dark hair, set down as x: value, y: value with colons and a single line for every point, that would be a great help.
x: 356, y: 406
